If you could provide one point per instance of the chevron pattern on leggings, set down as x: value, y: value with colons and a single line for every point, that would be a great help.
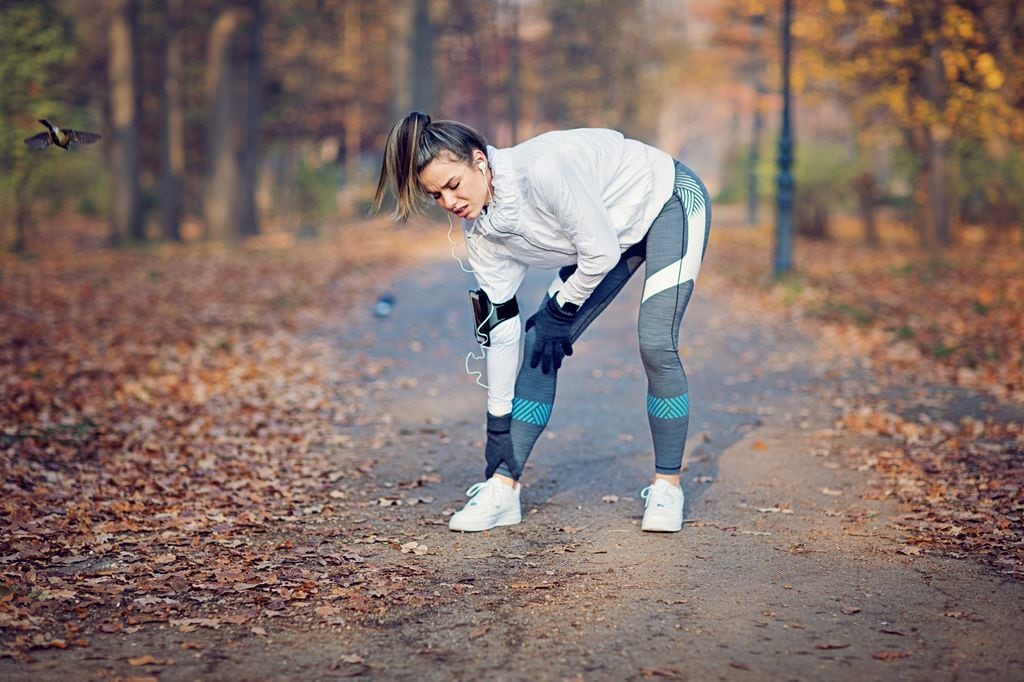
x: 530, y: 411
x: 691, y: 193
x: 668, y: 408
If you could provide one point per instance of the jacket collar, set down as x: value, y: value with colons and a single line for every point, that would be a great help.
x: 502, y: 214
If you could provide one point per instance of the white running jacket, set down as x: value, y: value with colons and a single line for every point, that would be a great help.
x: 575, y: 197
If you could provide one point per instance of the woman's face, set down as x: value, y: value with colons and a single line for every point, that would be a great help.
x: 459, y: 187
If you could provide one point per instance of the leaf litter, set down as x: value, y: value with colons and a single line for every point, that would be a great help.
x: 179, y: 447
x: 916, y: 331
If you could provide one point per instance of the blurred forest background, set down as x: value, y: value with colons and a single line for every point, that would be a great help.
x: 226, y: 120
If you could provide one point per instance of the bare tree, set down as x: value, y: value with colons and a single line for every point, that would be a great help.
x: 224, y: 136
x: 423, y: 57
x: 172, y: 153
x: 253, y: 67
x: 122, y: 73
x: 402, y: 15
x: 412, y: 57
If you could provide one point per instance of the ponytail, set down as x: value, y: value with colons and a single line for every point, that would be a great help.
x: 412, y: 144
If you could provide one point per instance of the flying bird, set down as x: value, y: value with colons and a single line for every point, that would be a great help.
x: 59, y: 136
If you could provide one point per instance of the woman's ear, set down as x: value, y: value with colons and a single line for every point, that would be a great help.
x: 480, y: 161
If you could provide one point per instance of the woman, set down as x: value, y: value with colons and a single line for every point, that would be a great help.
x: 597, y: 205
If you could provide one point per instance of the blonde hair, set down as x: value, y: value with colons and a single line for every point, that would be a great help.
x: 412, y: 144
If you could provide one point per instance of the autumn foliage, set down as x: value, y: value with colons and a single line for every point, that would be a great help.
x: 165, y: 416
x: 920, y: 342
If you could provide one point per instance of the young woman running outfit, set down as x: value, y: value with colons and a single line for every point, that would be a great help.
x: 596, y: 205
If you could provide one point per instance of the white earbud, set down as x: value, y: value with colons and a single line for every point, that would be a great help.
x: 482, y: 166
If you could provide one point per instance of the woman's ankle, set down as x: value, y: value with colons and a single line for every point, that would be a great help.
x: 506, y: 480
x: 669, y: 478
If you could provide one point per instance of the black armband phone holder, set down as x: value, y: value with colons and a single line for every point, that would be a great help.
x: 487, y: 316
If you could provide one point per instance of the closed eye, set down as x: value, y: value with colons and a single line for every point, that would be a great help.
x: 437, y: 195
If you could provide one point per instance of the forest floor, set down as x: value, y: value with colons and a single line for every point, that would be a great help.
x: 223, y: 465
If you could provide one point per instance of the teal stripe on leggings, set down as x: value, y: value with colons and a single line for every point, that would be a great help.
x: 531, y: 412
x: 668, y: 408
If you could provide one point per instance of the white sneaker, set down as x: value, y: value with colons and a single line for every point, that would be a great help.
x: 491, y: 504
x: 663, y: 508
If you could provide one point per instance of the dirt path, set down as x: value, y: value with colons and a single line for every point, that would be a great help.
x: 785, y: 570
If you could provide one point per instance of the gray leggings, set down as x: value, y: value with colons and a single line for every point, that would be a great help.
x: 673, y: 249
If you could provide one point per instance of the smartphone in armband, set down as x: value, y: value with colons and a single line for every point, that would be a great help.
x: 481, y: 316
x: 487, y: 316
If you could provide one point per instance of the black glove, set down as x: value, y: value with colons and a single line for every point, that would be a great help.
x: 554, y: 336
x: 499, y: 446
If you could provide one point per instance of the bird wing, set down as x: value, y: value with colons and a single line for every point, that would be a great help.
x: 40, y: 141
x: 82, y: 137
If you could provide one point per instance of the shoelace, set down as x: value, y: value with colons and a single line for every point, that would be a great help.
x: 660, y: 496
x: 484, y: 488
x: 475, y: 488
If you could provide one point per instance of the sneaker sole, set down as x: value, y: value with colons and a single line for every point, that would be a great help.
x: 654, y: 528
x: 655, y: 523
x: 507, y: 519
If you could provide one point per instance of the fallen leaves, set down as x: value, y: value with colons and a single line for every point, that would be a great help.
x: 414, y: 548
x: 774, y: 510
x: 959, y: 483
x: 918, y: 322
x: 149, y: 660
x: 890, y: 655
x: 663, y: 672
x: 165, y: 418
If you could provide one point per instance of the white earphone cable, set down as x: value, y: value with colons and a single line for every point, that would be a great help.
x: 455, y: 244
x: 476, y: 374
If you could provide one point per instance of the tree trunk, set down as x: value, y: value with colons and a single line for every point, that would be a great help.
x: 812, y: 219
x: 253, y: 101
x: 513, y: 87
x: 23, y: 210
x: 126, y: 217
x: 936, y: 181
x: 423, y: 58
x: 933, y: 193
x: 940, y: 189
x: 754, y: 158
x: 172, y: 153
x: 412, y: 58
x: 402, y: 14
x: 757, y: 66
x: 353, y: 138
x: 867, y: 199
x: 223, y: 133
x: 353, y: 117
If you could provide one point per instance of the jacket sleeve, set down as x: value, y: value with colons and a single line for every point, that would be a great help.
x: 575, y: 201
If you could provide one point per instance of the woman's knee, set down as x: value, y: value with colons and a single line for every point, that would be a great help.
x: 659, y: 351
